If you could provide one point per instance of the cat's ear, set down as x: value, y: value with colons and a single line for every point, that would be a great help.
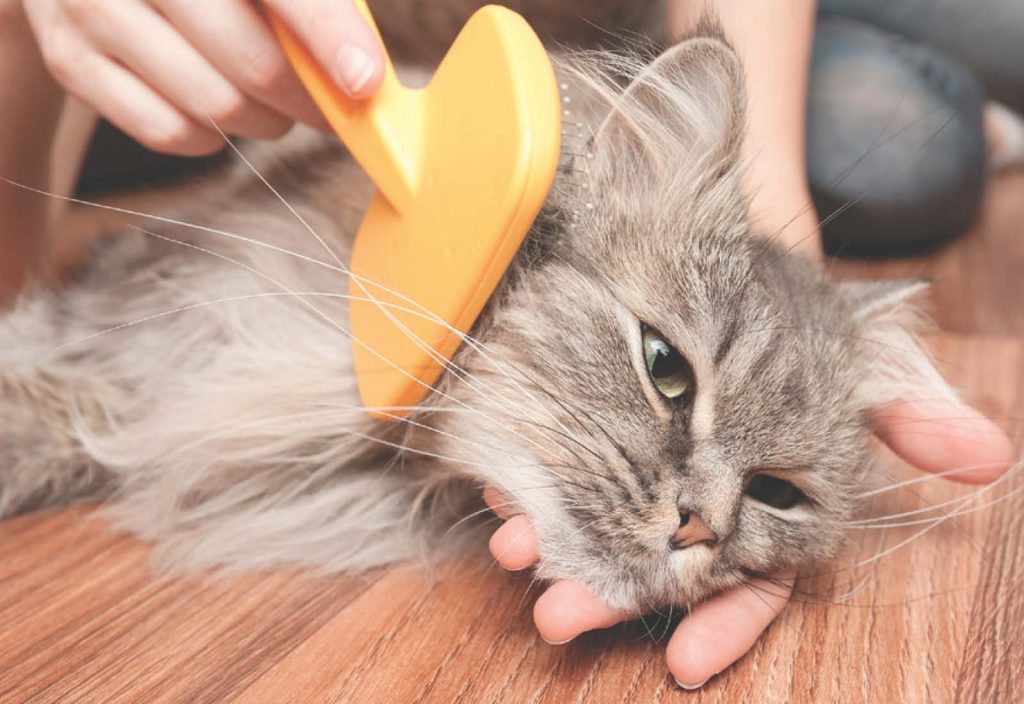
x: 873, y: 300
x: 686, y: 104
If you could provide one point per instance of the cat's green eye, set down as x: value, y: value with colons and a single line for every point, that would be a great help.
x: 669, y: 371
x: 775, y: 492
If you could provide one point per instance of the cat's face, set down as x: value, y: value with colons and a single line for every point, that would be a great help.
x: 673, y: 405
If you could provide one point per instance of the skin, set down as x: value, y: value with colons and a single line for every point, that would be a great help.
x: 27, y: 127
x: 722, y: 629
x: 112, y: 56
x: 229, y: 68
x: 227, y: 65
x: 773, y: 40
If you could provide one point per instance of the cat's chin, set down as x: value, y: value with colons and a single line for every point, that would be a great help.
x: 684, y: 578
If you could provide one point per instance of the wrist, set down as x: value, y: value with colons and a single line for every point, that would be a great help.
x: 781, y: 208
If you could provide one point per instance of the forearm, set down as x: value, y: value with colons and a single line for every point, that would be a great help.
x: 43, y: 139
x: 28, y: 121
x: 773, y: 40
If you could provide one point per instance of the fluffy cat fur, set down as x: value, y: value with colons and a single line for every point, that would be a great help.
x: 202, y: 383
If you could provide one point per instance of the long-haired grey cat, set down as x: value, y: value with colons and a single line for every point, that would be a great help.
x: 648, y: 361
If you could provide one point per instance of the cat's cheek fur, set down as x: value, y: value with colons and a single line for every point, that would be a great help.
x: 765, y: 543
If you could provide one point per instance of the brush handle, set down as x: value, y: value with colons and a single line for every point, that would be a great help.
x: 383, y: 133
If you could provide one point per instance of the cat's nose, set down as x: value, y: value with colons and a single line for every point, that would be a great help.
x: 692, y: 530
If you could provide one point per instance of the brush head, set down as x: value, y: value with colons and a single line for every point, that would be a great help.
x: 462, y: 167
x: 490, y: 145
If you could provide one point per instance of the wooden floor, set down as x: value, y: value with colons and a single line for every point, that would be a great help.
x: 940, y: 619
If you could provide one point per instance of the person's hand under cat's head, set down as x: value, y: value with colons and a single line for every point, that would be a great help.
x: 940, y: 437
x: 161, y: 71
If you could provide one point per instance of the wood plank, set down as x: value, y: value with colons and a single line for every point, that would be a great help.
x: 84, y: 619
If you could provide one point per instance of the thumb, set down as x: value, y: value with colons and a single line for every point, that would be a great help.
x: 336, y: 34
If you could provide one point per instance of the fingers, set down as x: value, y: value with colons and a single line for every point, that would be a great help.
x: 496, y: 502
x: 253, y: 60
x: 514, y: 545
x: 715, y: 634
x: 128, y: 102
x: 162, y: 69
x: 339, y: 38
x: 722, y: 629
x: 168, y: 63
x: 567, y: 609
x: 110, y: 88
x: 945, y: 437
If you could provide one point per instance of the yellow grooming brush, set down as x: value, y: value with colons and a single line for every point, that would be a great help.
x: 462, y: 167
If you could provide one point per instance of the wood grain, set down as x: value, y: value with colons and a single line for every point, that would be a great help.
x: 940, y: 619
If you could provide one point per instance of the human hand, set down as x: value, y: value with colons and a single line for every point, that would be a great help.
x: 722, y: 629
x: 162, y: 69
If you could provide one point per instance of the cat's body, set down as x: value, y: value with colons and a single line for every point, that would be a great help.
x: 224, y: 424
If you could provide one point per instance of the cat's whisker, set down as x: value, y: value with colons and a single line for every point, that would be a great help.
x: 534, y: 579
x: 287, y: 290
x: 968, y: 538
x: 842, y: 177
x: 268, y: 422
x: 903, y: 543
x: 553, y: 434
x: 473, y: 343
x: 927, y: 478
x: 266, y: 245
x: 536, y: 442
x: 668, y: 622
x: 565, y: 504
x: 939, y: 519
x: 424, y: 426
x: 282, y: 199
x: 649, y: 631
x: 559, y: 433
x: 861, y: 585
x: 473, y: 515
x: 583, y: 465
x: 172, y: 221
x: 932, y: 523
x: 182, y: 309
x: 797, y: 595
x: 359, y: 280
x: 388, y: 410
x: 580, y: 530
x: 574, y: 410
x: 785, y: 593
x: 504, y: 551
x: 503, y: 369
x: 489, y: 395
x: 884, y: 522
x: 571, y: 410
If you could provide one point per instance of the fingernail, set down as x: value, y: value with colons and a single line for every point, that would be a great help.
x: 354, y: 69
x: 560, y: 642
x: 691, y: 687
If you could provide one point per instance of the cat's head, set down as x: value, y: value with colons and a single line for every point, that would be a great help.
x: 674, y: 403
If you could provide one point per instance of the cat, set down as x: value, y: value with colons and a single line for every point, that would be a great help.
x: 675, y: 403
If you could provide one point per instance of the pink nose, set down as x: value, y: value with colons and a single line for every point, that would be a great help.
x: 692, y: 530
